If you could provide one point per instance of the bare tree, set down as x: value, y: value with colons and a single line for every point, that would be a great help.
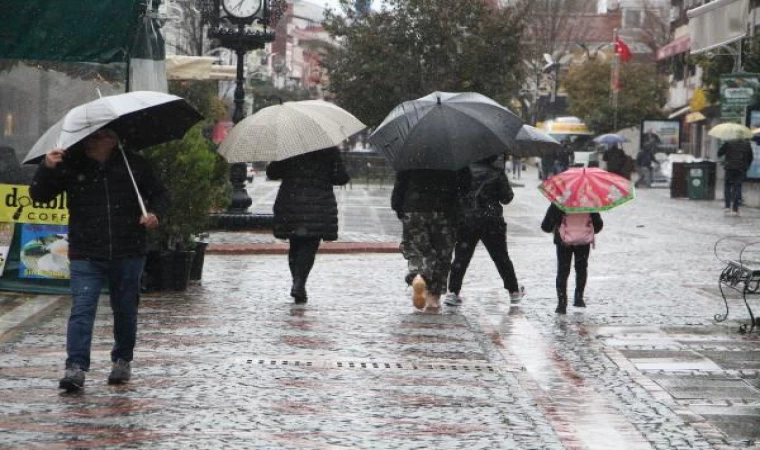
x: 655, y: 25
x: 553, y: 28
x: 186, y: 31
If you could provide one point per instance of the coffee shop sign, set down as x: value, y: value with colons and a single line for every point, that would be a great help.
x: 17, y: 206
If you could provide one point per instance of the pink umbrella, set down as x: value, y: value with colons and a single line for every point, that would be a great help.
x: 582, y: 189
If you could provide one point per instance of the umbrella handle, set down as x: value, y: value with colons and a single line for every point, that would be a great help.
x: 134, y: 183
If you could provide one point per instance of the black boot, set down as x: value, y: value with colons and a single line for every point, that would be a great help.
x: 578, y: 300
x: 298, y: 291
x: 561, y: 303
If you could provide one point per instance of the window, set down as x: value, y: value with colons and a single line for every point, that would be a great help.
x: 632, y: 18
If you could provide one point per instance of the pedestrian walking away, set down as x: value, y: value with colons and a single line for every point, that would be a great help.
x: 617, y: 161
x: 305, y: 210
x: 517, y: 167
x: 738, y: 157
x: 644, y: 160
x: 573, y: 237
x: 426, y: 203
x: 481, y: 218
x: 107, y: 241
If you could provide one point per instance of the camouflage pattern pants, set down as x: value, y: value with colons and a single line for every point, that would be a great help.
x: 427, y: 243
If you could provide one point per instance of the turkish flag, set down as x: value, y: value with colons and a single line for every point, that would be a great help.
x: 622, y: 50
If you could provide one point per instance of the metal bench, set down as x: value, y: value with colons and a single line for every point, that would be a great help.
x: 741, y: 274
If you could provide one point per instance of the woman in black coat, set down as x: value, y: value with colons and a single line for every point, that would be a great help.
x: 565, y: 254
x: 305, y: 211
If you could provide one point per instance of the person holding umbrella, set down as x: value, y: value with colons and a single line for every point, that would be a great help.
x: 425, y: 202
x: 305, y: 210
x: 738, y: 156
x: 481, y: 218
x: 430, y: 142
x: 107, y: 240
x: 577, y: 196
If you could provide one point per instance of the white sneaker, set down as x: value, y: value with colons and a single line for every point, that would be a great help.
x: 432, y: 301
x: 452, y: 299
x: 515, y: 297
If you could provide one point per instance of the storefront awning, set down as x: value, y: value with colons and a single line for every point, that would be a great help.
x: 679, y: 112
x: 695, y: 116
x: 675, y: 47
x: 180, y: 67
x: 98, y: 31
x: 717, y: 23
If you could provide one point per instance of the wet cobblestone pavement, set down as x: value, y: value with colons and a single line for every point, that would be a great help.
x: 232, y: 363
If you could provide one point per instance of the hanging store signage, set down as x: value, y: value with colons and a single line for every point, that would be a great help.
x: 17, y: 206
x: 736, y: 92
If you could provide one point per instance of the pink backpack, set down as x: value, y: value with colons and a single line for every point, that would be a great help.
x: 577, y: 229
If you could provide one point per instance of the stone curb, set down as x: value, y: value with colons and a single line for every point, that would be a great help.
x: 26, y: 313
x: 325, y: 248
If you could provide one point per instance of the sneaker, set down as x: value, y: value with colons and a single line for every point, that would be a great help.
x: 453, y: 299
x: 419, y: 288
x: 516, y: 297
x: 120, y: 373
x: 73, y: 378
x: 432, y: 301
x: 727, y: 211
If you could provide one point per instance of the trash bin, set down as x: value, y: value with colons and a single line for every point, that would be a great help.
x: 679, y: 186
x: 701, y: 179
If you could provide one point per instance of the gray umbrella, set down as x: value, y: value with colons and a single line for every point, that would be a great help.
x: 445, y: 131
x: 533, y: 142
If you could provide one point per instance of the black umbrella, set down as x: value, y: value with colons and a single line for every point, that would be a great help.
x: 445, y: 131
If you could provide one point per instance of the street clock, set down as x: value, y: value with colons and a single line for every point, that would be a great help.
x: 242, y: 9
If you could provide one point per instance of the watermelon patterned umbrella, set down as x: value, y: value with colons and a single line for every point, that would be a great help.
x: 583, y: 189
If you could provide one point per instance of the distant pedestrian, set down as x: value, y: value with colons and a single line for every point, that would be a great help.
x: 107, y: 242
x: 617, y: 161
x: 573, y: 236
x: 481, y: 218
x: 305, y: 210
x: 738, y: 158
x: 644, y: 167
x: 516, y: 167
x: 426, y: 203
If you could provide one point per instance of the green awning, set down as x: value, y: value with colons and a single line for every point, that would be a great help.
x: 100, y: 31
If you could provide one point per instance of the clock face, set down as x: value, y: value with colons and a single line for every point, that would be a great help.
x: 242, y: 8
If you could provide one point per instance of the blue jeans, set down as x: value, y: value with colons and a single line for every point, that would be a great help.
x: 87, y: 279
x: 732, y: 190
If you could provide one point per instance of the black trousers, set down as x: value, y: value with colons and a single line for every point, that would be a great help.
x: 565, y: 254
x: 301, y: 257
x: 492, y: 231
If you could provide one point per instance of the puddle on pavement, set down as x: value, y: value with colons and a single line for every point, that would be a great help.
x: 581, y: 418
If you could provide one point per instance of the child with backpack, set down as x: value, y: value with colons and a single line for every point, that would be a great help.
x: 573, y: 237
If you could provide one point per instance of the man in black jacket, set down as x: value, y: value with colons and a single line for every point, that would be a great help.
x: 484, y: 221
x: 107, y: 242
x: 738, y: 157
x: 425, y: 201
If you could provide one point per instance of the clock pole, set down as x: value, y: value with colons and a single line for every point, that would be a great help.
x: 241, y: 40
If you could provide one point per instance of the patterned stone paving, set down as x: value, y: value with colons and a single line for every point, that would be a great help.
x: 231, y: 363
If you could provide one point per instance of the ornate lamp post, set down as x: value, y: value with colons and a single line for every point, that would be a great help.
x: 241, y: 39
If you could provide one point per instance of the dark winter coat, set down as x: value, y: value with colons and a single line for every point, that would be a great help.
x: 490, y: 184
x: 429, y: 190
x: 553, y: 219
x: 104, y: 212
x: 616, y: 160
x: 738, y: 155
x: 305, y: 204
x: 644, y: 158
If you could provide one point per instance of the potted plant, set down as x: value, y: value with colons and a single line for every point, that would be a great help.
x: 196, y: 177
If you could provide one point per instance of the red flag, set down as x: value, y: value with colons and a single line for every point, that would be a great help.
x: 622, y: 50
